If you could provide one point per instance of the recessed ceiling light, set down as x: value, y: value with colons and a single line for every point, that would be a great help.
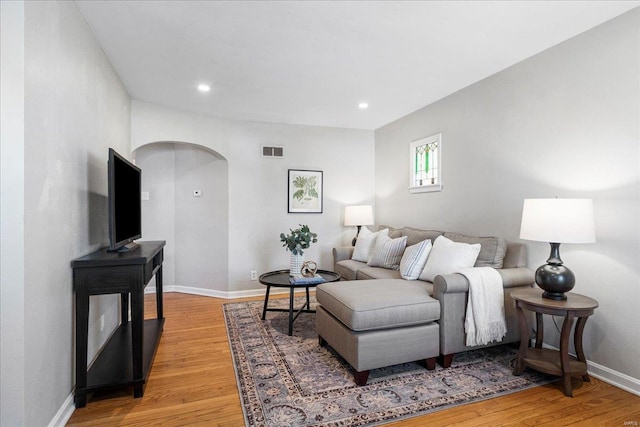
x: 363, y: 106
x: 204, y: 88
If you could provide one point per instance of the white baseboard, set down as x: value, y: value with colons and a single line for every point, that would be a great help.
x: 608, y: 375
x: 64, y: 413
x: 618, y: 379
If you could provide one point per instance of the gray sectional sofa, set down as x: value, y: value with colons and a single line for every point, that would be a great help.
x: 451, y: 290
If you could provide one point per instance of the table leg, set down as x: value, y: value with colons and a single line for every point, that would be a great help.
x: 266, y: 302
x: 159, y: 295
x: 124, y: 307
x: 291, y: 311
x: 564, y: 354
x: 577, y: 342
x: 524, y: 340
x: 539, y: 330
x: 82, y: 330
x: 137, y: 334
x: 308, y: 303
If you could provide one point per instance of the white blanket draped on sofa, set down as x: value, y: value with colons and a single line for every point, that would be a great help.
x: 485, y: 320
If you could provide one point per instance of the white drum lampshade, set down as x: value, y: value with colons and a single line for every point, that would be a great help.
x: 357, y: 216
x: 557, y: 221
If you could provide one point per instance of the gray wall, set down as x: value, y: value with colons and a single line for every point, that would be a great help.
x: 12, y: 265
x: 75, y: 107
x: 257, y: 190
x: 563, y: 123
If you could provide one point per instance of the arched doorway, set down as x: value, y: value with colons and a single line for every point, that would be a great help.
x: 187, y: 191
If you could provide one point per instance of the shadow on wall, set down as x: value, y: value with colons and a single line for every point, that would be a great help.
x: 97, y: 215
x: 186, y: 187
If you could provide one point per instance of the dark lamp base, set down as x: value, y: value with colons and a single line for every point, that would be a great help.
x: 353, y: 242
x: 555, y: 296
x: 555, y: 280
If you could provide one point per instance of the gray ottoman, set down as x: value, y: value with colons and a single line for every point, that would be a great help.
x: 378, y: 323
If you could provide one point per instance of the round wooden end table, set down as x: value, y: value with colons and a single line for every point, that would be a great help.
x: 546, y: 360
x: 280, y: 279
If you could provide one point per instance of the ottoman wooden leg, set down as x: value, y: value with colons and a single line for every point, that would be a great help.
x: 431, y: 363
x: 445, y: 360
x: 361, y: 377
x: 321, y: 341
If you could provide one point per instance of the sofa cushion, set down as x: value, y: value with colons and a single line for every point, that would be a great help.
x: 348, y: 268
x: 394, y: 233
x: 415, y: 235
x: 516, y: 255
x: 387, y: 252
x: 448, y: 257
x: 365, y: 243
x: 414, y: 259
x: 492, y: 252
x: 367, y: 272
x: 367, y: 305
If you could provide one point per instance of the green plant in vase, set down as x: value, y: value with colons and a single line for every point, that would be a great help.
x: 298, y: 239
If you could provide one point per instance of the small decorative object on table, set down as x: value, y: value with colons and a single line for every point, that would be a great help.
x: 295, y: 264
x: 297, y: 240
x: 309, y: 269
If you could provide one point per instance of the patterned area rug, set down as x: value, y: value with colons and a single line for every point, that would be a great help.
x: 292, y: 381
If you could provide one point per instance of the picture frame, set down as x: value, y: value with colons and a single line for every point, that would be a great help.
x: 305, y: 188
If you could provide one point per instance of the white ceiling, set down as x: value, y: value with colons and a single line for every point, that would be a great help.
x: 312, y: 62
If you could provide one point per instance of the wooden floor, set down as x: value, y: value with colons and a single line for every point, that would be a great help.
x: 192, y: 382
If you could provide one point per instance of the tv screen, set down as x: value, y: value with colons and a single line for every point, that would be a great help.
x: 125, y: 213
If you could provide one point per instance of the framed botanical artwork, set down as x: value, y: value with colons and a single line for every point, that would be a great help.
x: 305, y: 191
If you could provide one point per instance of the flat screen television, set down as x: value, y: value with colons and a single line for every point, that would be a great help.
x: 125, y: 210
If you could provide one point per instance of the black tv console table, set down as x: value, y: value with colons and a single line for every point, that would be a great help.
x: 127, y: 357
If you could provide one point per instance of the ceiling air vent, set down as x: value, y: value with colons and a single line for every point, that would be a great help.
x: 274, y: 151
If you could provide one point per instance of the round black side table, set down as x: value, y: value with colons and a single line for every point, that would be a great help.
x: 280, y: 279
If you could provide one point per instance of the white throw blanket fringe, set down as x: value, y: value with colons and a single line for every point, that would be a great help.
x: 485, y: 321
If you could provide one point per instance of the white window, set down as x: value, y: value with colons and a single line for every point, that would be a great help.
x: 425, y: 165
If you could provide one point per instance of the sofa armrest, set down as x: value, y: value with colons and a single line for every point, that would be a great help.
x: 516, y: 277
x: 511, y: 278
x: 451, y: 290
x: 450, y: 283
x: 342, y: 253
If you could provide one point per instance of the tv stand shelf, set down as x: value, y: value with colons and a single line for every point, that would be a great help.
x: 127, y: 357
x: 114, y: 365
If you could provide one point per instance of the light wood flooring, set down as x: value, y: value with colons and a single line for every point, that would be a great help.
x: 192, y: 382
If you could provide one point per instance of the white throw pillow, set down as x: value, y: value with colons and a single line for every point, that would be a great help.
x: 448, y: 257
x: 388, y: 252
x: 414, y: 259
x: 365, y: 243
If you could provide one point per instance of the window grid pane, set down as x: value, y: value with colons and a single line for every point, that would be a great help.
x: 426, y: 164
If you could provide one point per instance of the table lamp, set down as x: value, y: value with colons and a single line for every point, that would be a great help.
x: 557, y: 221
x: 358, y: 216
